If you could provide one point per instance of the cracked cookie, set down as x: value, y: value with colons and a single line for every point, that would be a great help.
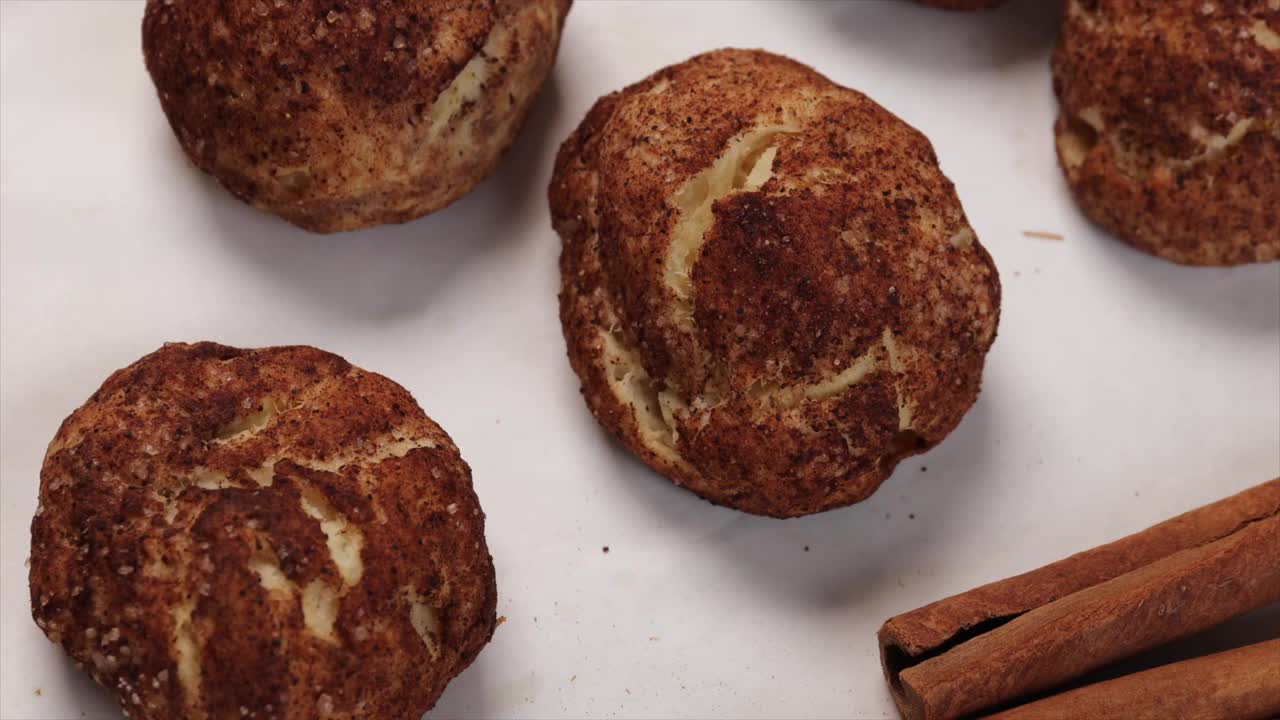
x: 769, y: 290
x: 338, y: 116
x: 271, y: 533
x: 1169, y: 124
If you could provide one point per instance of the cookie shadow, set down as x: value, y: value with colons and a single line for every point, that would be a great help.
x: 92, y: 700
x: 383, y: 274
x: 1258, y: 626
x: 917, y: 35
x: 468, y: 695
x: 854, y: 555
x: 849, y: 556
x: 1244, y: 298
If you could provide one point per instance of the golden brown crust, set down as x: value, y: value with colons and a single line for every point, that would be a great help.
x: 769, y: 290
x: 342, y: 117
x: 1169, y: 124
x: 274, y: 530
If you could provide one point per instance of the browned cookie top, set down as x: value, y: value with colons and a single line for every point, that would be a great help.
x: 341, y: 116
x: 1171, y: 80
x: 772, y: 273
x: 276, y: 72
x: 275, y: 530
x: 1169, y: 128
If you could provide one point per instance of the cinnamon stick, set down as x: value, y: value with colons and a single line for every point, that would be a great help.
x: 1003, y: 641
x: 1240, y: 684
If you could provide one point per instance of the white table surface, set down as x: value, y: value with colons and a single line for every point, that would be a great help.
x: 1122, y: 389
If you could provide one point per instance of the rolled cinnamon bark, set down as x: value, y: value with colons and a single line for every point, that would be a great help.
x: 1003, y: 641
x: 1240, y: 684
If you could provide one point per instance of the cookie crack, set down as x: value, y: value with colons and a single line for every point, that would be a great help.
x: 745, y: 166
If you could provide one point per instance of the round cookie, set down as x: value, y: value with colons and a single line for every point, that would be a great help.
x: 274, y: 532
x: 1169, y: 124
x: 769, y: 290
x: 344, y: 116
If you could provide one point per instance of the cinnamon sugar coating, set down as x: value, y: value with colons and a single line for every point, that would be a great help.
x: 338, y: 117
x: 769, y: 290
x: 1169, y: 124
x: 274, y: 532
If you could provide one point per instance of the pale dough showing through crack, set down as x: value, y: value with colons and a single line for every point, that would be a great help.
x: 769, y: 290
x: 338, y: 116
x: 271, y: 533
x: 1169, y: 124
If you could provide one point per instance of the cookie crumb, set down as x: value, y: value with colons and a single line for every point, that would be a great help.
x: 1042, y: 235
